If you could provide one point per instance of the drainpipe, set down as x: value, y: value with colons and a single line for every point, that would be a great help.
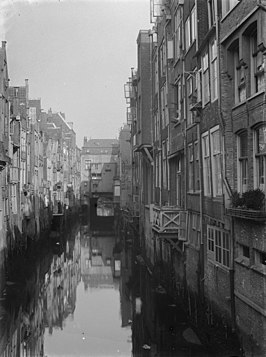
x: 225, y: 185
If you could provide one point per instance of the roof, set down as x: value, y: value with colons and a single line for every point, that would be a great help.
x: 100, y: 143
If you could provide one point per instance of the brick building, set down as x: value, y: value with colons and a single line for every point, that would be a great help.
x: 243, y: 88
x: 203, y: 217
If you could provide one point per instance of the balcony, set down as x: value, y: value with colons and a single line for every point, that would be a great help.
x: 250, y: 205
x: 169, y: 221
x: 242, y: 213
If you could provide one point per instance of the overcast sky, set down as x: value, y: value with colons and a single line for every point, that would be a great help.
x: 77, y: 56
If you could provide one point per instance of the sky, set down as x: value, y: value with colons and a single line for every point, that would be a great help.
x: 77, y: 56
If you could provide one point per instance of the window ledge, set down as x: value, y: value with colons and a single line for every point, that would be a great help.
x: 243, y: 261
x: 259, y: 269
x: 229, y: 12
x: 248, y: 99
x: 218, y: 265
x: 193, y: 193
x: 190, y: 126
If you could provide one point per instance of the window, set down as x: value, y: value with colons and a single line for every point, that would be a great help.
x: 178, y: 95
x: 193, y: 167
x: 189, y: 99
x: 14, y: 199
x: 194, y: 229
x: 216, y: 162
x: 214, y: 76
x: 198, y: 85
x: 162, y: 58
x: 218, y: 245
x: 205, y: 78
x: 263, y: 258
x: 245, y: 251
x: 260, y: 157
x: 260, y: 260
x: 242, y: 161
x: 193, y: 25
x: 211, y: 234
x: 157, y: 126
x: 164, y: 109
x: 206, y: 164
x: 156, y: 70
x: 187, y: 33
x: 165, y: 164
x: 190, y: 28
x: 196, y: 166
x: 178, y: 183
x: 177, y: 34
x: 190, y: 167
x: 233, y: 62
x: 211, y: 13
x: 227, y: 6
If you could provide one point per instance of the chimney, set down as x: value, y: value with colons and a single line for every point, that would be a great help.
x: 27, y: 93
x: 3, y: 44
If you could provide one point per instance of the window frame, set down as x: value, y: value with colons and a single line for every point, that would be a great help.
x: 218, y: 246
x: 206, y: 159
x: 242, y: 162
x: 259, y: 158
x: 214, y: 69
x: 177, y: 33
x: 205, y: 77
x: 216, y: 164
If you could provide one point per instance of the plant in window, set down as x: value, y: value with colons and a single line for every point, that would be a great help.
x: 254, y: 199
x: 236, y: 200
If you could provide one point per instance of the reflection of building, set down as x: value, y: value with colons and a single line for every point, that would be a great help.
x: 61, y: 284
x: 97, y: 262
x: 125, y: 288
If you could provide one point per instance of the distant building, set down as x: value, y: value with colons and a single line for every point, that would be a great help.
x: 99, y: 165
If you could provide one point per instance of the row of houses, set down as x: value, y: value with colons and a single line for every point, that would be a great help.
x: 39, y: 165
x: 193, y: 177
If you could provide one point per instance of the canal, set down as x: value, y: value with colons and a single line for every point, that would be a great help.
x: 83, y: 294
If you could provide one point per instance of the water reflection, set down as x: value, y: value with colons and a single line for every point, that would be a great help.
x: 92, y: 325
x: 82, y: 295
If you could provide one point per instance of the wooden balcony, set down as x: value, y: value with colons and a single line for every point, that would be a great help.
x: 250, y: 214
x: 169, y: 221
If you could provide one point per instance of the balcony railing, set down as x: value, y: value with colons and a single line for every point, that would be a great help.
x: 242, y: 213
x: 167, y: 219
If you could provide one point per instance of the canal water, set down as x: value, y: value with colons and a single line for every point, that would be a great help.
x: 82, y: 295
